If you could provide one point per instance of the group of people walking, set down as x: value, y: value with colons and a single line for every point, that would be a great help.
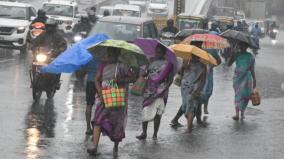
x: 196, y: 88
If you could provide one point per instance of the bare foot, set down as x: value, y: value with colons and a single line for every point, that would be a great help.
x: 154, y: 137
x: 236, y: 118
x: 92, y: 150
x: 141, y: 137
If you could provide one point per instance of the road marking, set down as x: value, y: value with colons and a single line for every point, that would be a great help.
x: 6, y: 60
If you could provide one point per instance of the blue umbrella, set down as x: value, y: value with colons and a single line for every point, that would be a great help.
x: 75, y: 57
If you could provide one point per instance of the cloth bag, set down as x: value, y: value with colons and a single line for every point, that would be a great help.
x: 113, y: 96
x: 138, y: 87
x: 255, y: 98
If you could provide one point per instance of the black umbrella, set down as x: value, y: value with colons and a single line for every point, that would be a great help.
x: 188, y: 32
x: 240, y: 36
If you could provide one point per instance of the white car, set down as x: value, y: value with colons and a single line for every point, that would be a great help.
x: 158, y: 8
x: 65, y: 12
x: 15, y: 19
x: 127, y: 10
x: 141, y: 3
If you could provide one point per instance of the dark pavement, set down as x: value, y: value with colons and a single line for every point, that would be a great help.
x: 55, y: 129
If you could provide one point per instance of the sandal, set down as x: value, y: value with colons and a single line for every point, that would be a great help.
x: 92, y: 151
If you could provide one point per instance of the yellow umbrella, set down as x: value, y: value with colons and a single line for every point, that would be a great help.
x: 185, y: 51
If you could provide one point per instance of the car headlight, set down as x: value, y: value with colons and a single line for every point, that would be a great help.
x: 21, y: 30
x: 77, y: 38
x: 41, y: 57
x: 275, y: 31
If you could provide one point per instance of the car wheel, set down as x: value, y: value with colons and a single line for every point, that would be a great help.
x: 24, y: 49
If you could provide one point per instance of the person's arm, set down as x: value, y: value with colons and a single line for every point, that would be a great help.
x: 163, y: 74
x: 232, y: 59
x: 252, y: 69
x: 98, y: 81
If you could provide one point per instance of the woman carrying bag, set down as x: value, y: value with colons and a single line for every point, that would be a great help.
x: 111, y: 113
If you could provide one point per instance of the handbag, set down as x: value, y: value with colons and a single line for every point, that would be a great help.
x: 113, y: 96
x: 255, y: 98
x: 138, y: 87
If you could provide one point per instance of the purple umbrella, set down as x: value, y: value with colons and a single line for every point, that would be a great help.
x: 149, y: 45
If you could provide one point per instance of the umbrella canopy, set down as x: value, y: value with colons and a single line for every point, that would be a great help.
x: 210, y: 41
x: 149, y: 46
x: 185, y: 51
x: 75, y: 57
x: 240, y: 36
x: 130, y: 54
x: 181, y: 35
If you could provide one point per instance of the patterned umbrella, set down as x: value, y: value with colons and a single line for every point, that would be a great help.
x: 210, y: 41
x: 181, y: 35
x: 130, y: 54
x: 185, y: 51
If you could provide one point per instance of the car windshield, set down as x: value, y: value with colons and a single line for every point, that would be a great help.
x: 118, y: 31
x: 11, y: 12
x: 131, y: 13
x: 188, y: 24
x: 159, y: 1
x: 60, y: 10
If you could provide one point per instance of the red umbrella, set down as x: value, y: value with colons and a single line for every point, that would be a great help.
x: 210, y: 41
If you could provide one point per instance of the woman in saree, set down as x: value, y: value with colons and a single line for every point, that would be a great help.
x: 193, y: 82
x: 160, y: 76
x: 208, y: 89
x: 244, y: 80
x: 110, y: 121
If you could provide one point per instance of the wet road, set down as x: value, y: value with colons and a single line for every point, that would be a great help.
x: 54, y: 129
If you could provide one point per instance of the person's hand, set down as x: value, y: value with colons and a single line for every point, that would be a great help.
x: 196, y: 94
x: 254, y: 84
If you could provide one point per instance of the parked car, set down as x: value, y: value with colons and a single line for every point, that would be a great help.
x: 141, y: 3
x: 158, y: 8
x: 15, y: 19
x: 103, y: 9
x: 126, y: 28
x: 66, y: 13
x: 127, y: 10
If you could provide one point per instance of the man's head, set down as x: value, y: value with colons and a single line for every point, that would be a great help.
x: 243, y: 46
x: 170, y: 23
x: 256, y: 25
x: 106, y: 13
x: 41, y: 13
x: 160, y: 51
x: 197, y: 43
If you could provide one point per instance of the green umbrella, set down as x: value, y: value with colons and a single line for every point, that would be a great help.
x: 130, y: 54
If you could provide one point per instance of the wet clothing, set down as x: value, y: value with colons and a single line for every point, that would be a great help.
x: 51, y: 39
x: 170, y: 29
x: 159, y: 80
x: 193, y: 80
x: 82, y: 27
x: 208, y: 88
x: 243, y: 80
x: 92, y: 68
x: 111, y: 120
x: 91, y: 92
